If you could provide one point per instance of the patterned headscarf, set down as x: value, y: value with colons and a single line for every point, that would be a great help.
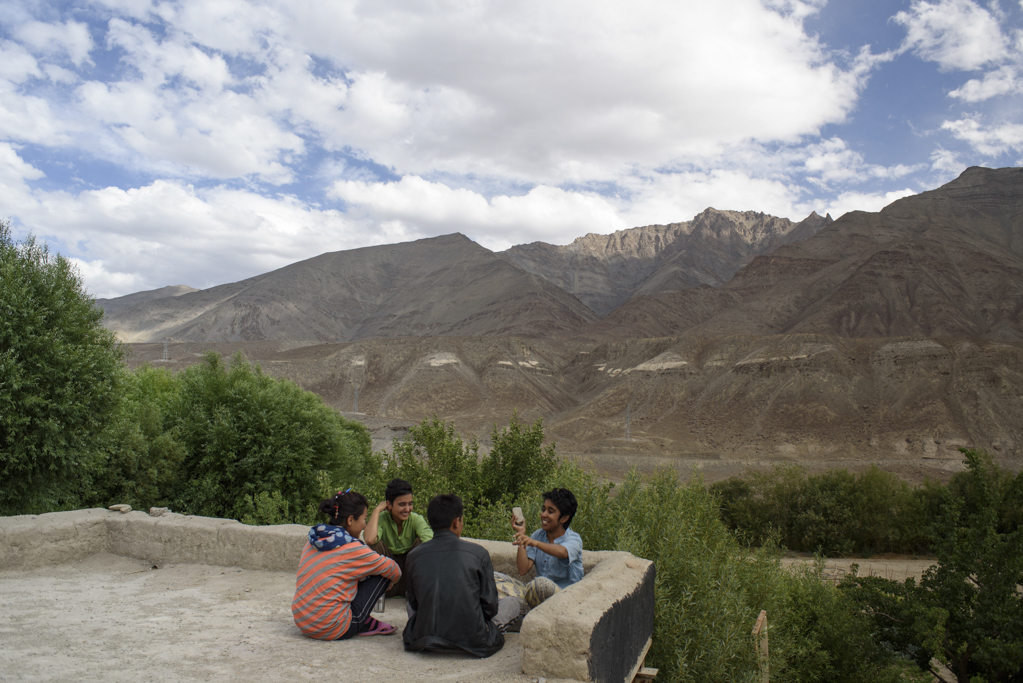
x: 328, y: 537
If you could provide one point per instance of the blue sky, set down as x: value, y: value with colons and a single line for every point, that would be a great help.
x: 201, y: 142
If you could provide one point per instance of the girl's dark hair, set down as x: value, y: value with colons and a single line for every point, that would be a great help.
x: 343, y: 505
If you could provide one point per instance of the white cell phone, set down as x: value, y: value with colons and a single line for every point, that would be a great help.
x: 518, y: 516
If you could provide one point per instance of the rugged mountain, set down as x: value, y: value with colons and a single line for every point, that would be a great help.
x: 605, y: 271
x: 943, y: 263
x: 719, y: 404
x: 888, y: 338
x: 433, y: 287
x: 111, y: 305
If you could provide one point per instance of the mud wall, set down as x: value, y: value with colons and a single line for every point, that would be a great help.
x: 596, y: 630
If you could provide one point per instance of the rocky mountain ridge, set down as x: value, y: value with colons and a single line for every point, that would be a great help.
x: 948, y: 262
x: 450, y: 285
x: 440, y: 286
x: 605, y: 271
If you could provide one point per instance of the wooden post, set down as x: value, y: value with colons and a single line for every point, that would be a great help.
x: 760, y: 644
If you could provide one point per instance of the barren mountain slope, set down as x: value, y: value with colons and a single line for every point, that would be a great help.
x: 721, y: 404
x: 440, y: 286
x: 946, y: 262
x: 110, y: 305
x: 604, y: 271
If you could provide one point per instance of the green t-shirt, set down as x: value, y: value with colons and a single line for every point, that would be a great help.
x: 414, y: 527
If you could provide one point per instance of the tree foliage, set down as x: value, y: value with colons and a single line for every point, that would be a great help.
x: 967, y: 610
x: 140, y: 456
x: 834, y: 512
x: 59, y: 371
x: 226, y: 440
x: 245, y: 434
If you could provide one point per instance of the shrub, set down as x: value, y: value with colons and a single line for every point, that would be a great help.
x: 140, y: 457
x: 58, y: 378
x: 968, y: 610
x: 246, y: 434
x: 834, y: 513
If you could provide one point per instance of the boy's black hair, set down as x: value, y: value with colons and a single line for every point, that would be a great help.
x: 443, y: 510
x: 565, y: 501
x: 344, y: 505
x: 396, y: 488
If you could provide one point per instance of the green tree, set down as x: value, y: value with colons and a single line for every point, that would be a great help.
x: 245, y: 434
x: 59, y: 370
x: 518, y: 460
x: 968, y: 610
x: 140, y: 458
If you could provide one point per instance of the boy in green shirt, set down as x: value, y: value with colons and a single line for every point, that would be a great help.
x: 394, y: 534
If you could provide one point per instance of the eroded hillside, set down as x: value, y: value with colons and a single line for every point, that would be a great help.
x: 720, y: 404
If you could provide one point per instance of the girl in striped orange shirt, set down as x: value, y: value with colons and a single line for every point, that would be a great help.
x: 339, y: 577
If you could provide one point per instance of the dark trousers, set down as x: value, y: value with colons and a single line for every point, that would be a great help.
x: 399, y: 588
x: 369, y: 591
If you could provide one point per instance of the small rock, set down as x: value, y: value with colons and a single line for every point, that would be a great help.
x: 158, y: 512
x: 120, y: 507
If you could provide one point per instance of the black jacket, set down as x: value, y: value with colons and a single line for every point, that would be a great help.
x: 451, y: 588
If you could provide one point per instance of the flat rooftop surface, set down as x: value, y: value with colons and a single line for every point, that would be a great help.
x: 109, y: 618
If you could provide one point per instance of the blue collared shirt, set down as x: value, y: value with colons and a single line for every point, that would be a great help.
x: 562, y: 572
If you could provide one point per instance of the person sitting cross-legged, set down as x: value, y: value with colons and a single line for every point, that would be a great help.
x: 453, y: 604
x: 339, y: 578
x: 393, y: 529
x: 555, y: 550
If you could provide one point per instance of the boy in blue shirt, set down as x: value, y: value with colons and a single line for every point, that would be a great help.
x: 555, y: 550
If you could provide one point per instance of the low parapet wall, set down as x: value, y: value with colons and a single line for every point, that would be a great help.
x: 596, y: 630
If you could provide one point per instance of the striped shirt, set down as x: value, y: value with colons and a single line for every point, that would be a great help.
x: 326, y: 585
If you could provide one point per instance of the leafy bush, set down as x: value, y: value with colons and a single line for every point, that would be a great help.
x: 58, y: 378
x: 140, y: 458
x: 968, y: 610
x: 834, y: 513
x: 710, y: 590
x: 245, y: 434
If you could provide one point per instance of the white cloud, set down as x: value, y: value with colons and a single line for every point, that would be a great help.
x: 70, y: 39
x: 172, y: 233
x: 575, y: 91
x: 1002, y: 81
x: 529, y: 92
x: 989, y: 140
x: 831, y: 161
x: 946, y: 164
x: 670, y: 197
x: 957, y: 34
x: 864, y: 201
x: 545, y: 213
x: 16, y: 63
x: 14, y: 171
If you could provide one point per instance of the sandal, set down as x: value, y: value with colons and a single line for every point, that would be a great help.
x: 378, y: 628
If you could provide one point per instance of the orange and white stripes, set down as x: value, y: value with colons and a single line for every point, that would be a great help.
x: 326, y: 585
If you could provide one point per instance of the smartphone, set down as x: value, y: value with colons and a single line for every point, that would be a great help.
x: 517, y: 514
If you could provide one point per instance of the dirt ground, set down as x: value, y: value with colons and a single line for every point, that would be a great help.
x: 109, y: 618
x: 887, y: 566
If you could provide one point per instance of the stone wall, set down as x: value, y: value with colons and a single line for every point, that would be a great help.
x: 596, y: 630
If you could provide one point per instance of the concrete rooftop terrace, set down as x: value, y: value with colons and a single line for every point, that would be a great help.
x: 100, y: 595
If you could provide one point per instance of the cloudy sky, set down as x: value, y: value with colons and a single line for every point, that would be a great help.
x: 203, y: 141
